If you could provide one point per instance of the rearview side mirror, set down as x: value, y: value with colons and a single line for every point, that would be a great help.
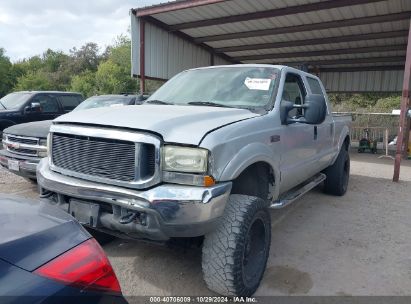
x: 315, y: 110
x: 35, y: 107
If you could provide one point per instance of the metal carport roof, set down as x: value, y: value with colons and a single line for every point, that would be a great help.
x: 342, y: 41
x: 321, y: 34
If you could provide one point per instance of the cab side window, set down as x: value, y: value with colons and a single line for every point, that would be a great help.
x: 48, y: 103
x: 69, y: 102
x: 294, y: 92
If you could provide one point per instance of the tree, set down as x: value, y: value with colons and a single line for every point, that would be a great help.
x: 85, y: 83
x: 34, y: 80
x: 85, y: 58
x: 112, y: 79
x: 7, y: 77
x: 113, y: 75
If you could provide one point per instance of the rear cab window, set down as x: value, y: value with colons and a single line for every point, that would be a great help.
x: 69, y: 102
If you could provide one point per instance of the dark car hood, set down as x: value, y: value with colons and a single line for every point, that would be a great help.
x: 38, y: 129
x: 33, y: 232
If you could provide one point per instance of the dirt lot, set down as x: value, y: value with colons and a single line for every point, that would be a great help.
x: 358, y: 244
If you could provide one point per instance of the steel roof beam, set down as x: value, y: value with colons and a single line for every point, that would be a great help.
x: 185, y: 37
x: 319, y: 63
x: 385, y: 48
x: 307, y: 27
x: 325, y: 40
x: 172, y: 6
x: 317, y: 6
x: 360, y: 68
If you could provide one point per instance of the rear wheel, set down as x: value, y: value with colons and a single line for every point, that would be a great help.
x: 338, y: 174
x: 235, y: 254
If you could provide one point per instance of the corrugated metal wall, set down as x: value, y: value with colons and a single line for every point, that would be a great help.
x: 166, y: 54
x: 367, y: 81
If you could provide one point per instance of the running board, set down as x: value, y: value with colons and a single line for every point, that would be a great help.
x: 295, y: 194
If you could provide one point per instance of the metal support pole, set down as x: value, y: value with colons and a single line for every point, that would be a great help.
x: 142, y: 58
x: 405, y: 101
x: 387, y: 155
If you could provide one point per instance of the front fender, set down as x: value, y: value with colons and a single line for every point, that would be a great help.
x: 248, y: 155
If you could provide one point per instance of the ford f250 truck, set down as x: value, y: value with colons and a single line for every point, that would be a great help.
x: 208, y: 154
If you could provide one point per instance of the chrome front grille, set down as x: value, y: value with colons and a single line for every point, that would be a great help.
x: 21, y: 145
x: 23, y: 140
x: 115, y: 157
x: 106, y: 158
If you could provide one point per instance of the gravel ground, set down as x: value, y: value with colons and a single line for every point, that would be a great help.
x: 358, y: 244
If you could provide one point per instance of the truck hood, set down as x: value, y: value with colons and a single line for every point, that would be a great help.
x: 38, y: 129
x: 178, y: 124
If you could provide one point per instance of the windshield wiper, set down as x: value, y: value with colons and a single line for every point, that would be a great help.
x: 208, y: 103
x: 160, y: 102
x: 3, y: 105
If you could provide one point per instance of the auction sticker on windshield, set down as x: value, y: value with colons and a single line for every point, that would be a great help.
x: 262, y: 84
x: 13, y: 165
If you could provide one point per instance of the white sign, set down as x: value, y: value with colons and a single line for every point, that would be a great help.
x: 257, y: 83
x: 13, y: 165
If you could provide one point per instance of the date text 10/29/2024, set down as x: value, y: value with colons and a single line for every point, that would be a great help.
x: 217, y: 299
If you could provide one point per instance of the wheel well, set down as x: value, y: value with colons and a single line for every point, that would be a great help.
x: 256, y: 180
x: 346, y: 143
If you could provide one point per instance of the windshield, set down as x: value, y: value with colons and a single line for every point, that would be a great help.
x: 239, y: 87
x: 104, y: 101
x: 14, y: 101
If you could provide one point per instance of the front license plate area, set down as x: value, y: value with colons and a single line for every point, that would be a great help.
x: 13, y: 165
x: 86, y: 213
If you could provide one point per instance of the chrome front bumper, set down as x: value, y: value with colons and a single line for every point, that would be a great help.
x: 27, y: 165
x: 171, y: 210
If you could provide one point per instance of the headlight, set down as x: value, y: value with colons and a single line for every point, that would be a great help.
x: 182, y: 159
x: 3, y: 138
x: 44, y: 143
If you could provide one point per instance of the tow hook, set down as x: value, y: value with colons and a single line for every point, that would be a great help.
x: 128, y: 218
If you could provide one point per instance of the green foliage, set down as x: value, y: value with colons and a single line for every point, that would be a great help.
x: 85, y: 83
x: 7, y: 77
x: 34, y: 80
x: 82, y: 70
x: 364, y: 102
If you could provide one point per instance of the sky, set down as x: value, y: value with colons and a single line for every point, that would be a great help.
x: 29, y: 27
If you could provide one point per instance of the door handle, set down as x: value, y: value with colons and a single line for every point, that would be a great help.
x: 315, y: 132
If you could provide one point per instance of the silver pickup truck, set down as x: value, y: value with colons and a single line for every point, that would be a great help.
x: 207, y: 155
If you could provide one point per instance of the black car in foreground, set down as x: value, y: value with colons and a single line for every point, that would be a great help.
x: 46, y: 256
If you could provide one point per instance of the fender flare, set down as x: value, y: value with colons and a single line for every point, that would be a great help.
x: 248, y: 155
x: 344, y: 133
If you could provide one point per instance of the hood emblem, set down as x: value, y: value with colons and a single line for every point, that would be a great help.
x: 14, y: 146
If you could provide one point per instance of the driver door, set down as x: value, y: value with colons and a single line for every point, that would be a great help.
x: 49, y: 108
x: 297, y: 145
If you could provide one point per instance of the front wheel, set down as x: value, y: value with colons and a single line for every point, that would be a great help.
x: 338, y: 174
x: 235, y: 254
